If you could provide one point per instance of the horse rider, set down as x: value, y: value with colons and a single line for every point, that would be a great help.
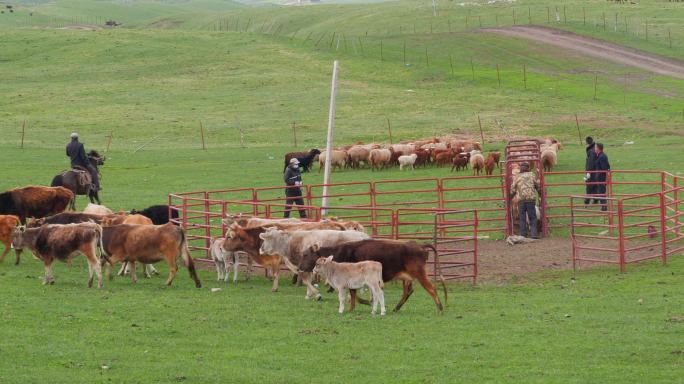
x: 293, y: 192
x: 526, y: 187
x: 76, y: 152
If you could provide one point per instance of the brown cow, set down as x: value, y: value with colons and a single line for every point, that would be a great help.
x: 7, y: 225
x: 62, y: 242
x: 136, y: 219
x: 33, y: 201
x: 147, y: 244
x: 400, y: 260
x: 247, y: 240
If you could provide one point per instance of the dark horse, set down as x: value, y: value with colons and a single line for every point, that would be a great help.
x: 79, y: 180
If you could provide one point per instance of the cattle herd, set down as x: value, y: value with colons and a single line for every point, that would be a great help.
x: 451, y: 151
x: 34, y: 218
x: 339, y: 251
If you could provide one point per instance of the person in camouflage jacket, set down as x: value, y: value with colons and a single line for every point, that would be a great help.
x: 526, y: 187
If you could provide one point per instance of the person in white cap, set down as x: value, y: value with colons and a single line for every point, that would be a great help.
x: 293, y: 191
x: 76, y: 153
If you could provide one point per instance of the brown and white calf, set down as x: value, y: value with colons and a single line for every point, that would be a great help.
x: 247, y: 240
x: 292, y: 245
x: 7, y: 225
x: 62, y: 242
x: 346, y: 276
x: 400, y: 260
x: 147, y: 244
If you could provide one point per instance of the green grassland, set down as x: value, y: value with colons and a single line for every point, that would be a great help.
x: 236, y: 67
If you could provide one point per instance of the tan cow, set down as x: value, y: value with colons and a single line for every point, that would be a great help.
x: 291, y: 246
x: 147, y: 244
x: 135, y: 219
x: 62, y: 242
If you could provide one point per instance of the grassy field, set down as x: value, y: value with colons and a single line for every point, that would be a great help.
x: 237, y: 67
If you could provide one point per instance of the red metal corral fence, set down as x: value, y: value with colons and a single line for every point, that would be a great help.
x: 453, y: 233
x: 635, y: 227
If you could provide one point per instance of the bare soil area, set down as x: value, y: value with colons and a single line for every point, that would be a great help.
x: 596, y: 48
x: 500, y: 262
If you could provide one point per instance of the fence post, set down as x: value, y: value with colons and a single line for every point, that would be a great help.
x: 663, y: 226
x: 621, y: 235
x: 676, y: 206
x: 572, y: 234
x: 224, y: 213
x: 498, y: 76
x: 472, y: 69
x: 207, y: 224
x: 476, y: 223
x: 609, y: 193
x: 525, y: 75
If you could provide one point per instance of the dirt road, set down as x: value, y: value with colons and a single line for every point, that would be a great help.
x: 596, y: 48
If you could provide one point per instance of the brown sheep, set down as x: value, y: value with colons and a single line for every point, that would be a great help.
x: 337, y: 160
x: 490, y: 163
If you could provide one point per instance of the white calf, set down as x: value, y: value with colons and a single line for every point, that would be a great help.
x: 345, y: 276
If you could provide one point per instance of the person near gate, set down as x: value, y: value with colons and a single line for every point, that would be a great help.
x: 293, y: 193
x: 589, y: 167
x: 526, y: 187
x: 76, y: 153
x: 603, y: 165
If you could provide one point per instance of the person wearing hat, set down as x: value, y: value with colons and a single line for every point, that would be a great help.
x: 293, y: 192
x: 76, y: 153
x: 601, y: 164
x: 526, y: 187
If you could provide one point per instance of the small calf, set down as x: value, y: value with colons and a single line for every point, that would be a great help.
x: 345, y: 276
x: 223, y: 259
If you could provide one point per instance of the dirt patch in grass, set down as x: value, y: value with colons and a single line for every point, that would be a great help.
x: 500, y: 262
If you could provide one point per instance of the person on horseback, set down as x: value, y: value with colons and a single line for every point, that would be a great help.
x: 76, y: 152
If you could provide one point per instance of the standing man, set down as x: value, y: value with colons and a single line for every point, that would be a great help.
x: 78, y: 157
x: 589, y: 166
x: 601, y: 164
x: 293, y: 178
x: 526, y: 187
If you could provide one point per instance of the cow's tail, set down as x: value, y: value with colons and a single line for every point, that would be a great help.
x: 104, y: 254
x: 438, y: 269
x: 187, y: 259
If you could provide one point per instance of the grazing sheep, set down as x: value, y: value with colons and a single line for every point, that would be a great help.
x: 549, y: 156
x: 490, y: 163
x: 497, y: 157
x: 380, y: 158
x: 460, y: 161
x: 338, y: 159
x: 409, y: 160
x: 477, y: 162
x: 95, y: 209
x: 356, y: 155
x: 422, y: 157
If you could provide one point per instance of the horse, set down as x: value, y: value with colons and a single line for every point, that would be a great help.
x: 79, y: 181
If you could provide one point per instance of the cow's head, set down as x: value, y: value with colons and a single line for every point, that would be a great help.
x: 235, y: 238
x: 18, y: 238
x: 270, y: 239
x: 321, y: 264
x: 35, y: 223
x: 309, y: 257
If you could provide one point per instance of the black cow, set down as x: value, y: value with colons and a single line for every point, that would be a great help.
x: 159, y: 214
x: 400, y: 260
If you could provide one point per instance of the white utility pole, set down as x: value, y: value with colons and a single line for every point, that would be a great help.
x: 434, y: 8
x: 329, y: 142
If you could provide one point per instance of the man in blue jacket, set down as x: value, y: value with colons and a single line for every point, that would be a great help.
x: 589, y: 166
x: 601, y: 164
x: 76, y: 152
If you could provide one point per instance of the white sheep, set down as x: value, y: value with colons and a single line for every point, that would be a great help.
x: 407, y: 160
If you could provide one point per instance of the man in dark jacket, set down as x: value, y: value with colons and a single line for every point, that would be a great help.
x: 293, y: 178
x: 76, y: 152
x: 590, y: 166
x: 601, y: 164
